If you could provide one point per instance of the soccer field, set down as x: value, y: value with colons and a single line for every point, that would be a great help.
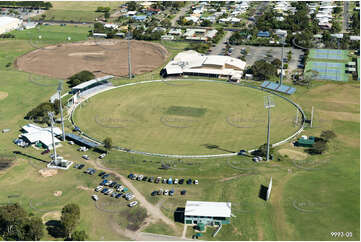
x: 187, y: 117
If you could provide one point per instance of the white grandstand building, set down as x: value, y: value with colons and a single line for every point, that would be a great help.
x: 193, y: 63
x: 8, y: 24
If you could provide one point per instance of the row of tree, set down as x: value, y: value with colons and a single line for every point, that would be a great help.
x: 27, y: 4
x: 40, y: 113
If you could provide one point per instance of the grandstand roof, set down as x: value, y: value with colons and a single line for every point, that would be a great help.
x: 91, y: 82
x: 81, y: 140
x: 212, y: 209
x: 277, y: 87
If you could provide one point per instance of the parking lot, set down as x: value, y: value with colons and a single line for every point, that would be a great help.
x: 256, y: 53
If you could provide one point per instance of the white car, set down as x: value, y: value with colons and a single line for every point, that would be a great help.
x: 98, y: 188
x: 175, y: 181
x: 85, y: 157
x: 108, y: 183
x: 140, y: 177
x: 132, y: 204
x: 110, y: 191
x: 130, y: 197
x: 120, y: 189
x: 83, y: 148
x: 165, y: 192
x: 70, y: 142
x: 102, y: 156
x: 196, y: 182
x: 95, y: 197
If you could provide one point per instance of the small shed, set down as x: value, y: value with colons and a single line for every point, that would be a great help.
x: 302, y: 142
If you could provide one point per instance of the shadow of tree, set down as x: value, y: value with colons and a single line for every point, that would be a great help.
x: 55, y: 229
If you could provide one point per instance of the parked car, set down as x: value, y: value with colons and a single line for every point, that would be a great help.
x: 158, y: 179
x: 110, y: 191
x: 120, y: 188
x: 103, y: 182
x: 86, y: 157
x: 171, y: 192
x: 45, y: 152
x: 154, y: 193
x: 181, y: 181
x: 134, y: 177
x: 132, y: 204
x: 108, y: 183
x: 151, y: 179
x: 98, y: 188
x: 164, y: 180
x: 76, y: 166
x: 112, y: 184
x: 101, y: 173
x: 95, y: 197
x: 70, y: 142
x: 114, y: 194
x: 189, y: 181
x: 106, y: 176
x: 130, y: 197
x: 196, y: 182
x: 183, y: 192
x: 160, y: 191
x: 175, y: 181
x: 119, y: 195
x: 81, y: 166
x: 140, y: 177
x: 117, y: 186
x: 170, y: 181
x: 130, y: 176
x: 104, y: 190
x: 166, y: 192
x: 102, y: 156
x: 92, y: 172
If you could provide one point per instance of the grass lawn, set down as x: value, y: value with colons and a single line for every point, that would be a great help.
x: 184, y: 117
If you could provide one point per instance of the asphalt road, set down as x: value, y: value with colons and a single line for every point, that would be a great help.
x: 179, y: 14
x: 218, y: 49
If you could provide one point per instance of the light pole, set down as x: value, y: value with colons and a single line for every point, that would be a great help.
x: 129, y: 37
x: 60, y: 87
x: 283, y: 46
x: 51, y: 117
x: 268, y: 104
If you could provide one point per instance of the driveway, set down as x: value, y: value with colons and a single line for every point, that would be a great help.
x: 218, y: 49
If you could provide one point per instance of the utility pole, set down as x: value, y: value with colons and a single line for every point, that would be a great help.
x: 60, y: 88
x: 311, y: 117
x: 268, y: 104
x: 51, y: 117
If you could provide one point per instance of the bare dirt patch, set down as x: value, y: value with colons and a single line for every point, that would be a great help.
x: 84, y: 188
x: 108, y: 56
x: 48, y: 172
x: 3, y: 95
x: 293, y: 154
x: 53, y: 215
x: 58, y: 193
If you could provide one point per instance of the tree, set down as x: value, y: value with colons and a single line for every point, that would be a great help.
x: 318, y: 148
x: 309, y: 76
x: 206, y: 23
x: 263, y: 70
x: 99, y: 28
x: 108, y: 142
x: 277, y: 63
x: 132, y: 6
x: 79, y: 235
x: 34, y: 229
x: 327, y: 135
x: 80, y: 77
x: 337, y: 10
x: 262, y: 150
x: 106, y: 15
x: 70, y: 216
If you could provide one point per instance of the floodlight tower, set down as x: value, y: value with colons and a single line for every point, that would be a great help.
x: 60, y: 88
x: 283, y: 46
x: 129, y: 37
x: 51, y: 117
x: 268, y: 104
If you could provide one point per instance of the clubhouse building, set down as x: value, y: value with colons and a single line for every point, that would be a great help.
x: 207, y: 213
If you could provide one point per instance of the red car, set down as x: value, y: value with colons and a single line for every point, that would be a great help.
x: 45, y: 152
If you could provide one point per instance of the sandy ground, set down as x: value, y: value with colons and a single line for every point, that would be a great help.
x: 3, y: 95
x: 293, y: 154
x: 84, y: 188
x: 53, y: 215
x: 48, y: 172
x: 100, y: 57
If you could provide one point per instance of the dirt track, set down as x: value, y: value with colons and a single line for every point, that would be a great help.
x: 100, y: 57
